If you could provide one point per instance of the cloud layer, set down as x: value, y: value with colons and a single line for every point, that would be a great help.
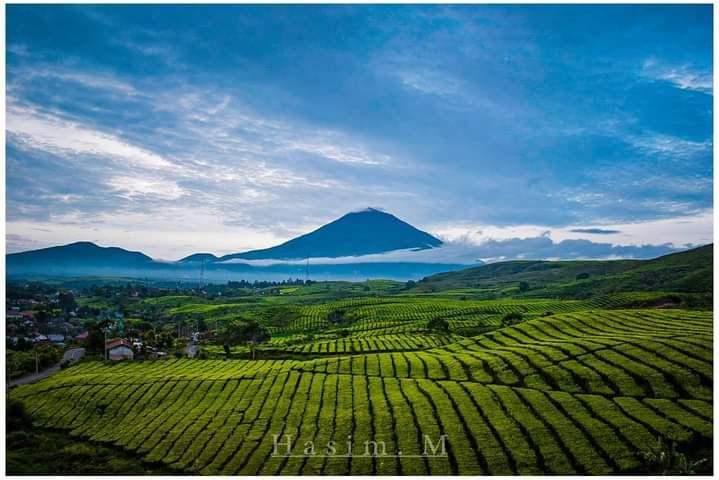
x: 224, y: 128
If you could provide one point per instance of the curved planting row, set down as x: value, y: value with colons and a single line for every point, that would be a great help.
x: 377, y: 343
x: 385, y: 315
x: 576, y: 393
x: 227, y: 426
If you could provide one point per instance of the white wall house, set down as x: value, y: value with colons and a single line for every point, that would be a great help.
x: 119, y: 349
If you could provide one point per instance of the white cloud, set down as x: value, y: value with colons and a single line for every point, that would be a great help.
x: 41, y: 131
x: 181, y: 231
x: 334, y: 151
x: 145, y: 187
x: 430, y: 82
x: 453, y: 252
x: 668, y: 146
x: 227, y: 126
x: 679, y: 231
x: 86, y: 78
x: 18, y: 49
x: 684, y: 77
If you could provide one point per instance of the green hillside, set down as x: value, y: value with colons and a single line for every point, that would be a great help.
x: 580, y: 372
x: 575, y: 393
x: 687, y: 272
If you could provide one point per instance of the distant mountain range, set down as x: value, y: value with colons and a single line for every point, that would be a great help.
x: 354, y: 235
x: 360, y: 240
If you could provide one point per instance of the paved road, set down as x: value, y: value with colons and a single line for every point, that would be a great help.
x: 72, y: 356
x: 191, y: 350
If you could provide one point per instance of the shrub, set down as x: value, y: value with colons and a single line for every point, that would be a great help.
x: 16, y: 416
x: 664, y: 459
x: 511, y: 318
x: 78, y: 451
x: 438, y: 324
x: 20, y: 439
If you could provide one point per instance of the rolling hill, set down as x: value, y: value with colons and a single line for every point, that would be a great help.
x: 689, y: 271
x: 198, y: 258
x: 77, y: 256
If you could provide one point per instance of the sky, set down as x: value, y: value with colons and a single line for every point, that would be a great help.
x: 507, y: 131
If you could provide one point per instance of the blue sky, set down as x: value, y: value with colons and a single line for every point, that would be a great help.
x: 177, y: 129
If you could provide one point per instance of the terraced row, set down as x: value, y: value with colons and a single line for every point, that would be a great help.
x: 580, y: 392
x: 377, y: 343
x: 403, y: 314
x: 661, y: 354
x: 227, y: 426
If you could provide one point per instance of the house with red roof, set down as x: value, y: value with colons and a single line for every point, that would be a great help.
x: 119, y: 349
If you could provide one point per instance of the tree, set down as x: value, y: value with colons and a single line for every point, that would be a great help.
x: 95, y: 337
x: 16, y: 416
x: 336, y: 317
x: 145, y: 326
x: 511, y: 318
x: 244, y: 331
x: 438, y: 324
x: 201, y: 325
x: 67, y: 302
x: 523, y: 286
x: 164, y: 340
x: 22, y: 345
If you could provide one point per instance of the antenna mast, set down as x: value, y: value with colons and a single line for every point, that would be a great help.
x: 307, y: 269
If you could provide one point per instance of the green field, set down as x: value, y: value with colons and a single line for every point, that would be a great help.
x: 583, y: 390
x: 522, y: 368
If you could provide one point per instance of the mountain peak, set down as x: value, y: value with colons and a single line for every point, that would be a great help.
x: 364, y: 232
x: 84, y: 243
x: 369, y: 210
x: 198, y: 258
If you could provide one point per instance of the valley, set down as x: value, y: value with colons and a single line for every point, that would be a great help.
x: 517, y: 378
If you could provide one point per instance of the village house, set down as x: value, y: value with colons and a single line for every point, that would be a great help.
x: 119, y: 349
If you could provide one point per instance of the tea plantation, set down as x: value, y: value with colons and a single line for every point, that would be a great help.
x: 578, y: 386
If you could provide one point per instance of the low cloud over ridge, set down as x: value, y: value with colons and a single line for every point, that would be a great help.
x: 595, y: 231
x: 488, y: 251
